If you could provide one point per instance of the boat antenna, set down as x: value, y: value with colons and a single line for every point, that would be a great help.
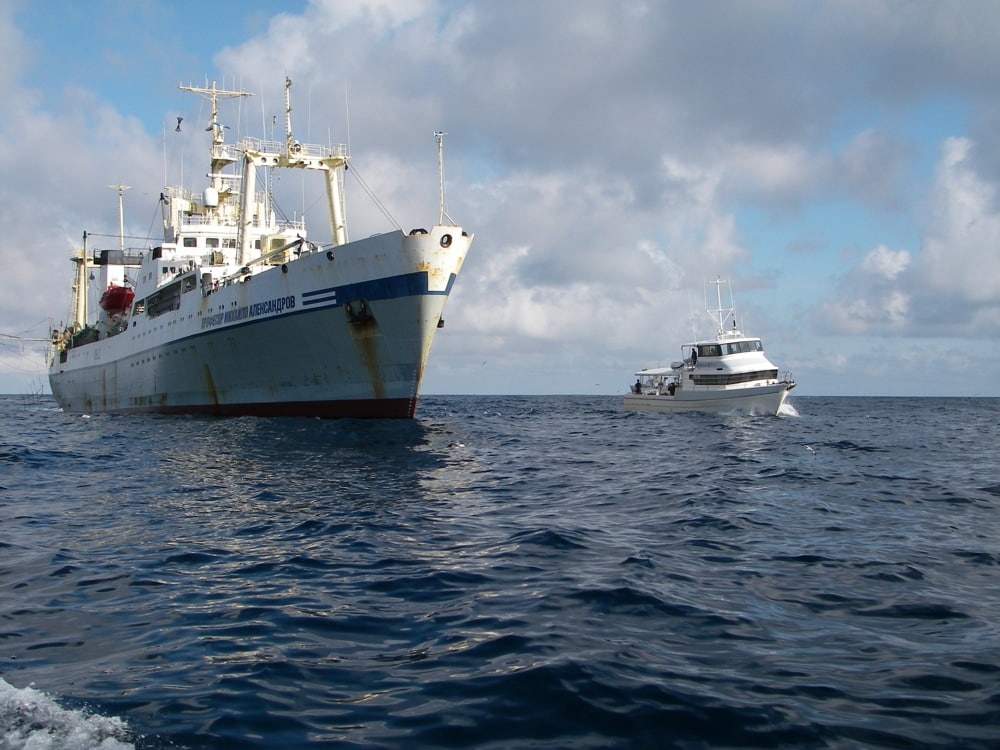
x: 440, y: 141
x: 121, y: 213
x: 720, y: 314
x: 288, y: 114
x: 213, y: 95
x: 716, y: 313
x: 347, y: 116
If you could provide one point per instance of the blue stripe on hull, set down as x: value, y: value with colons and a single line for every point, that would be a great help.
x: 406, y: 285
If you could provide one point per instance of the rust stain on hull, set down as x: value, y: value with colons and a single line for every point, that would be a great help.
x: 364, y: 331
x: 210, y: 386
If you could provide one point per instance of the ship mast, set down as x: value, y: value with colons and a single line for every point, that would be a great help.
x: 299, y: 156
x: 121, y: 214
x: 219, y: 157
x: 720, y: 314
x: 440, y: 141
x: 80, y: 288
x: 290, y: 142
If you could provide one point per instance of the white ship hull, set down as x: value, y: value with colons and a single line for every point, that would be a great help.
x: 341, y: 337
x: 764, y: 399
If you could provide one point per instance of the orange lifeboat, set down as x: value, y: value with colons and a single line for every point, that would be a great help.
x: 116, y: 299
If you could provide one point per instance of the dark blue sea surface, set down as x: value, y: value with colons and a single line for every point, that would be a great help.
x: 503, y: 572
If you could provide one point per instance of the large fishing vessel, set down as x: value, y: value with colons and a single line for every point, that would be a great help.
x: 728, y: 373
x: 236, y: 312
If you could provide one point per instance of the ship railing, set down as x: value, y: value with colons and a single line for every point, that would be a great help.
x: 299, y: 225
x: 230, y: 151
x: 227, y: 218
x: 305, y: 150
x: 296, y: 224
x: 302, y: 245
x: 195, y: 220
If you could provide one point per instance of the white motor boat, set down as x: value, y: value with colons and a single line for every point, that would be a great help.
x: 728, y: 373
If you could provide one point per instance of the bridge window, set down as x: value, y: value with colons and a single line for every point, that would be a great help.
x: 735, y: 378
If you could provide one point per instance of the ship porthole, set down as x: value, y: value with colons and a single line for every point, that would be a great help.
x: 329, y: 254
x: 284, y: 268
x: 445, y: 240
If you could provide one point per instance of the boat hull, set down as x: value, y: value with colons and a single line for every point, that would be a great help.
x: 764, y: 399
x: 339, y: 334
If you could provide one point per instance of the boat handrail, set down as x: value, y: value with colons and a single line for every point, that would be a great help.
x: 299, y: 225
x: 309, y: 150
x: 220, y: 221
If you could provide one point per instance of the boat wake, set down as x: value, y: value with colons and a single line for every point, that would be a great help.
x: 787, y: 410
x: 30, y: 719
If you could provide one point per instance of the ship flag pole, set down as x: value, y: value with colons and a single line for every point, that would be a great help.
x: 121, y: 214
x: 440, y: 140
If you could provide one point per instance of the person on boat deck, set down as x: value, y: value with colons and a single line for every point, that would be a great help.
x: 637, y: 388
x: 694, y: 355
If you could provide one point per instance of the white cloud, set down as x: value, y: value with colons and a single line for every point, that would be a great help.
x: 781, y: 175
x: 885, y: 263
x: 607, y: 156
x: 951, y: 287
x: 961, y: 253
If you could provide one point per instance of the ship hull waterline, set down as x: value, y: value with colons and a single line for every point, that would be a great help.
x: 765, y: 399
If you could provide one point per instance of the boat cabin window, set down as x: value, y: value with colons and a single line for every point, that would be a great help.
x: 739, y: 347
x: 709, y: 350
x: 166, y: 299
x: 190, y: 242
x: 211, y: 242
x: 736, y: 378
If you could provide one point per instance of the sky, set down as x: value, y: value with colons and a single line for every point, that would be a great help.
x: 838, y: 163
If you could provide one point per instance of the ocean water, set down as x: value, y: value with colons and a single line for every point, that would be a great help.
x: 503, y: 572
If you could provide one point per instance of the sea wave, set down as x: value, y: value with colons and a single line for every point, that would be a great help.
x: 31, y: 720
x: 501, y: 573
